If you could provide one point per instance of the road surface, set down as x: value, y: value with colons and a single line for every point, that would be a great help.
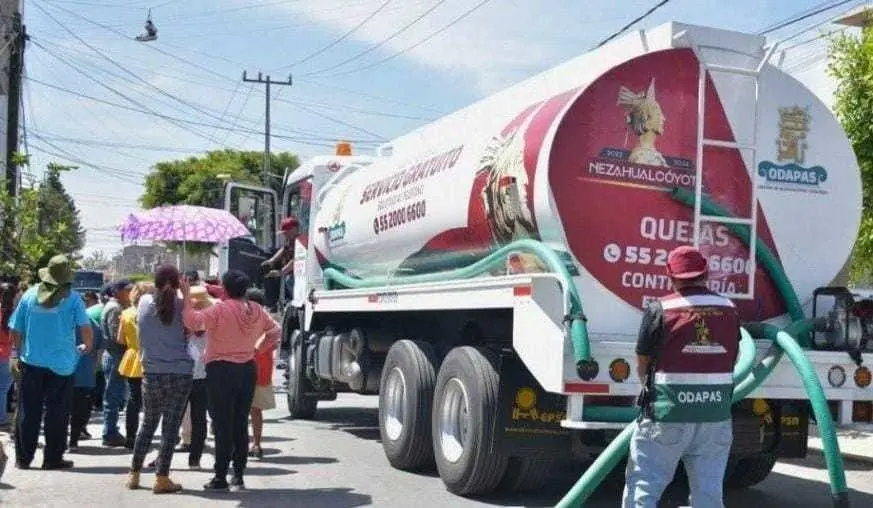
x: 337, y: 462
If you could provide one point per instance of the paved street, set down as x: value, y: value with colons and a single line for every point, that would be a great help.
x: 338, y: 462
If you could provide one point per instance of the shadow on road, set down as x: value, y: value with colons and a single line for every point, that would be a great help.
x: 359, y: 422
x: 335, y: 498
x: 99, y: 450
x: 293, y: 460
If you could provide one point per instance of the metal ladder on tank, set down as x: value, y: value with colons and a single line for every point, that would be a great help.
x: 702, y: 142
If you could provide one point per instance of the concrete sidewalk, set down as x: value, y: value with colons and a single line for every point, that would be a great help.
x: 856, y: 441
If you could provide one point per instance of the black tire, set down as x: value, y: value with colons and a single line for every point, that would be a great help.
x: 300, y: 406
x: 466, y: 463
x: 527, y: 474
x: 412, y: 364
x: 749, y: 471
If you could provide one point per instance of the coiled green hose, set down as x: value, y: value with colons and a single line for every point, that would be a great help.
x: 783, y: 343
x: 585, y: 366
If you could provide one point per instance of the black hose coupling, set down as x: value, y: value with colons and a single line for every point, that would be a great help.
x: 587, y: 369
x: 841, y: 499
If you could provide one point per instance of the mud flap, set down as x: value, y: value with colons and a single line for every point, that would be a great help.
x: 778, y: 427
x: 528, y: 422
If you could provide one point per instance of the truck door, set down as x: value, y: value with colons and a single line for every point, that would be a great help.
x: 257, y: 209
x: 297, y: 202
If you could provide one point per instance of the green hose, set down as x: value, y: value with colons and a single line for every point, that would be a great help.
x: 585, y: 366
x: 783, y: 343
x: 763, y: 253
x: 617, y: 414
x: 619, y: 447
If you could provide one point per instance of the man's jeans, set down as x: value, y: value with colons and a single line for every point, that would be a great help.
x: 42, y: 386
x: 114, y: 395
x: 655, y: 451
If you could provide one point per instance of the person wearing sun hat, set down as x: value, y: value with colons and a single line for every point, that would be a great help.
x: 197, y: 400
x: 44, y: 327
x: 686, y: 350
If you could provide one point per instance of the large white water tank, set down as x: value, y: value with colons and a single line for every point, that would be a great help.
x: 583, y: 158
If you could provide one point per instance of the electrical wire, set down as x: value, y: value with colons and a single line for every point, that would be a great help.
x: 302, y: 141
x: 632, y: 23
x: 820, y: 8
x: 380, y: 44
x: 174, y: 121
x: 320, y: 114
x: 227, y: 106
x: 341, y: 38
x: 417, y: 44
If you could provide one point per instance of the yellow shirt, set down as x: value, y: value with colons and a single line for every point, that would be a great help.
x: 131, y: 362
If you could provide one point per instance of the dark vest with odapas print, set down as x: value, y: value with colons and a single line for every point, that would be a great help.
x: 693, y: 369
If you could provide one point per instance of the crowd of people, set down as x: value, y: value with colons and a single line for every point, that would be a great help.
x: 177, y: 350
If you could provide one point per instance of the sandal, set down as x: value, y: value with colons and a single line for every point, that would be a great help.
x: 256, y: 451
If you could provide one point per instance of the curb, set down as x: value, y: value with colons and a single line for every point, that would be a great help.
x: 855, y: 457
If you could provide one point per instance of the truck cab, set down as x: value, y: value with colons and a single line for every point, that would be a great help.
x: 262, y: 209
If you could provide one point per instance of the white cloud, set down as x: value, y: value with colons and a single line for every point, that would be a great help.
x: 496, y: 45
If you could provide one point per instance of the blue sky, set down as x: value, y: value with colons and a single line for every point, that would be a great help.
x: 189, y: 81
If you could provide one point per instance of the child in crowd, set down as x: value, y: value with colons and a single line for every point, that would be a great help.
x: 264, y: 397
x: 85, y: 377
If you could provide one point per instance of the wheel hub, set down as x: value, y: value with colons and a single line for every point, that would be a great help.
x: 454, y: 421
x: 395, y: 388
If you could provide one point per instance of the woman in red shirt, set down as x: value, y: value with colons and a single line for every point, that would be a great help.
x: 264, y: 397
x: 7, y: 307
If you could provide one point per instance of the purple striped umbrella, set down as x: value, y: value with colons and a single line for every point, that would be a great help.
x: 183, y: 223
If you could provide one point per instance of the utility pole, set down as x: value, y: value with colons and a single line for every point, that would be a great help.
x: 14, y: 37
x: 268, y: 82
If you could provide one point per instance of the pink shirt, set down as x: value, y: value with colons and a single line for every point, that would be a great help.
x: 233, y: 328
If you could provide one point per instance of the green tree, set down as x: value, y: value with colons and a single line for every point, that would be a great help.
x: 851, y: 65
x: 200, y: 180
x: 43, y: 222
x: 97, y: 260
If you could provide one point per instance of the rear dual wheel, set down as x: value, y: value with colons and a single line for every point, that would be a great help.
x: 467, y: 394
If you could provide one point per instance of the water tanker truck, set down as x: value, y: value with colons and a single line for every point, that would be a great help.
x: 485, y: 274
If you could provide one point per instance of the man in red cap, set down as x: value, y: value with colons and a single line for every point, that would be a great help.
x: 686, y: 351
x: 282, y: 263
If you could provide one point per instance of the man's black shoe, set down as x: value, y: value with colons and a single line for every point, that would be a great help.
x: 114, y: 441
x: 237, y: 484
x: 216, y: 484
x: 63, y: 464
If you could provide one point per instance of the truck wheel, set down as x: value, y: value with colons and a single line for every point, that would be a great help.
x: 527, y: 474
x: 749, y: 471
x: 405, y: 402
x: 300, y: 406
x: 465, y: 407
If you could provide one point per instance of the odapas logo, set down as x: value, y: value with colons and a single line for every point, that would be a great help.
x: 791, y: 146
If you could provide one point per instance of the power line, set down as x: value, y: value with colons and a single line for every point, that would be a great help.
x: 417, y: 44
x: 129, y: 72
x: 322, y: 115
x: 632, y: 23
x: 380, y: 44
x: 825, y: 6
x: 303, y: 141
x: 338, y: 40
x: 143, y: 107
x: 227, y: 106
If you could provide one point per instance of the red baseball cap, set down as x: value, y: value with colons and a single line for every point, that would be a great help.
x: 289, y: 223
x: 686, y: 262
